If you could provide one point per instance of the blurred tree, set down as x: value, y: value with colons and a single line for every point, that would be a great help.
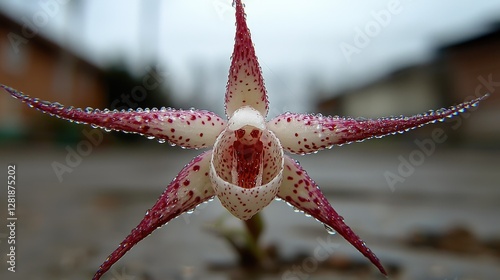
x: 127, y: 91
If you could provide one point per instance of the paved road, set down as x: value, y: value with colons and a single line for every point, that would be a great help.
x: 66, y: 228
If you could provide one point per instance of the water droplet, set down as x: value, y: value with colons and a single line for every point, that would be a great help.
x: 329, y: 229
x: 161, y: 141
x: 150, y: 137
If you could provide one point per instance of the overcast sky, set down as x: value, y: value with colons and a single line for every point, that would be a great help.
x: 333, y: 43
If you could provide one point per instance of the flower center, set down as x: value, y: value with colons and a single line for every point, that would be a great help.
x: 247, y: 157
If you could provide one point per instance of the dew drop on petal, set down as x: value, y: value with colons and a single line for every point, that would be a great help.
x: 329, y: 229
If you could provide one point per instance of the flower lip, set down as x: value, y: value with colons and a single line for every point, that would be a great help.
x: 247, y: 164
x: 246, y: 116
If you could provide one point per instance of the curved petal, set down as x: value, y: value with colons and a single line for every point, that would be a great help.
x: 246, y: 182
x: 190, y: 188
x: 302, y: 134
x: 245, y: 85
x: 301, y: 191
x: 185, y: 128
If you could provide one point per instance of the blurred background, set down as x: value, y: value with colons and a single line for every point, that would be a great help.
x: 429, y: 211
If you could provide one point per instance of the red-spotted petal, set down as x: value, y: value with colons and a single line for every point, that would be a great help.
x: 245, y: 85
x: 302, y: 134
x: 190, y: 188
x: 185, y: 128
x: 301, y: 191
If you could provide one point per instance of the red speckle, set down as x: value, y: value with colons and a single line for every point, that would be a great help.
x: 172, y: 130
x: 196, y: 168
x: 186, y: 182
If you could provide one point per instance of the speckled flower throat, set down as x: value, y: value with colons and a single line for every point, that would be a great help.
x: 245, y: 165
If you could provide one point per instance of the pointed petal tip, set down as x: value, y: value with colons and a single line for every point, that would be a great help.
x: 184, y: 128
x: 324, y: 132
x: 245, y: 84
x: 299, y: 190
x: 14, y: 93
x: 190, y: 188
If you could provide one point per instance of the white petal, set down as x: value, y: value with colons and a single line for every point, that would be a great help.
x: 247, y: 116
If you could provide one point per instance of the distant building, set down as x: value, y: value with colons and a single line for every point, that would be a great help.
x: 39, y: 67
x: 459, y: 72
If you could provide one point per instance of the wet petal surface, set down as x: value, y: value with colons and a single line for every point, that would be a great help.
x: 190, y: 188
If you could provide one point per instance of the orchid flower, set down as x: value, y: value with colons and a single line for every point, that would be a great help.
x: 247, y: 167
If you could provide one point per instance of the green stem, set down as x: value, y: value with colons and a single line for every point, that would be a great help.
x: 255, y: 226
